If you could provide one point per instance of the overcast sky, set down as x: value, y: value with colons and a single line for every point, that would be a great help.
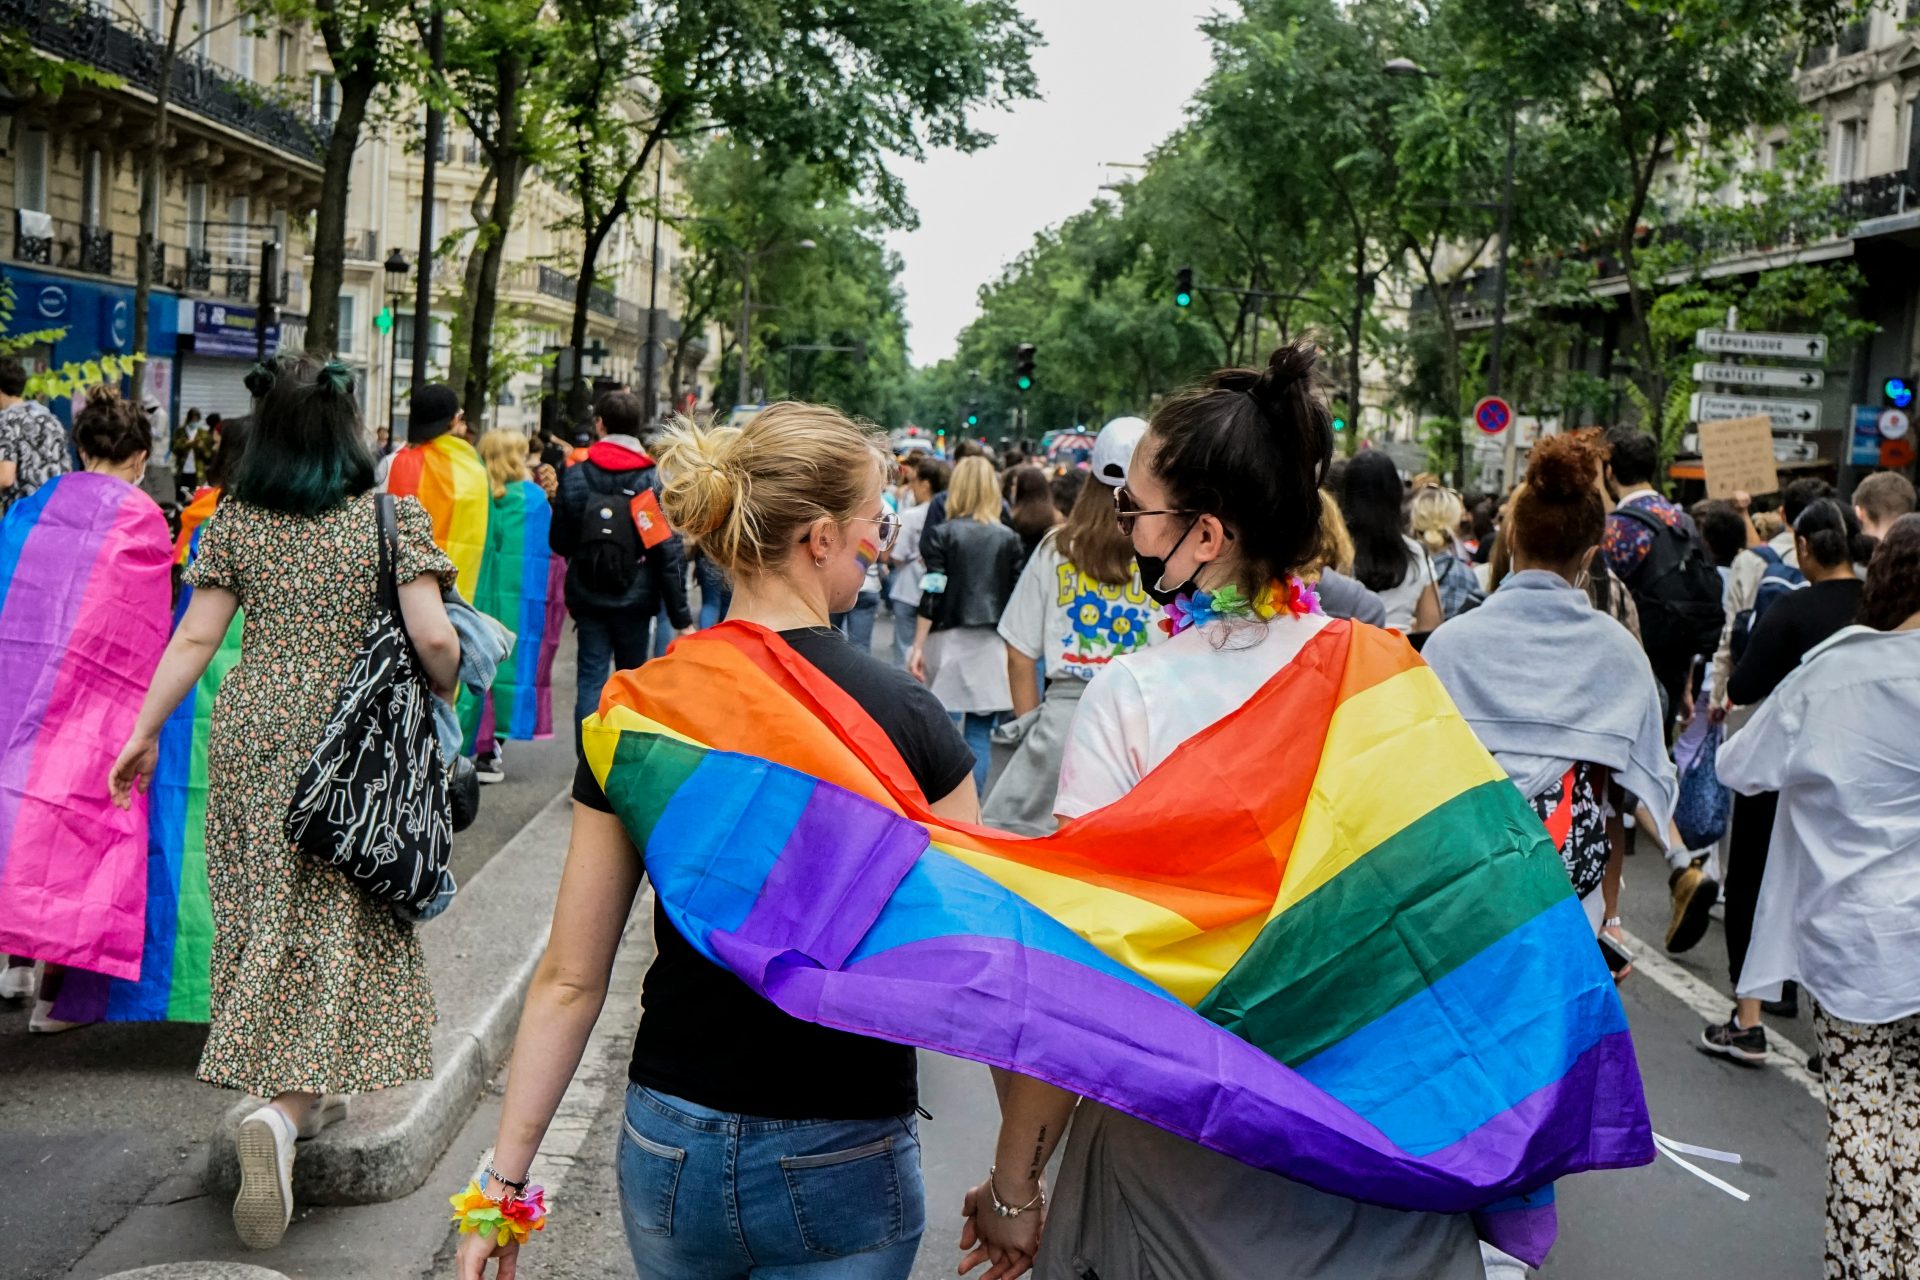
x: 1115, y: 76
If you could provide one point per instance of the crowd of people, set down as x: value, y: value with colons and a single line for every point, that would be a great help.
x: 1056, y: 634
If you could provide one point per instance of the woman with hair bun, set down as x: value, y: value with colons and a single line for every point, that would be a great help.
x: 318, y: 990
x: 1566, y: 744
x: 1828, y: 544
x: 1221, y: 503
x: 84, y: 587
x: 754, y: 1142
x: 1836, y: 912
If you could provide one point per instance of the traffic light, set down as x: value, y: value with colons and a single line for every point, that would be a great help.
x: 383, y: 321
x: 1023, y: 366
x: 1339, y: 418
x: 973, y: 416
x: 1183, y: 287
x: 1898, y: 392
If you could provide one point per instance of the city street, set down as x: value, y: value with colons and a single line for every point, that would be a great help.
x: 108, y: 1132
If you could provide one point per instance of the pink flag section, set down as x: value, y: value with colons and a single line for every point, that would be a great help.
x: 84, y: 591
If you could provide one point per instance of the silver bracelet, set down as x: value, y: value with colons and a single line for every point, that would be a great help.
x: 1006, y: 1210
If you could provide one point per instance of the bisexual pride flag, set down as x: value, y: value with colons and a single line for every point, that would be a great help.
x: 84, y: 584
x: 177, y: 950
x: 1326, y: 936
x: 521, y: 587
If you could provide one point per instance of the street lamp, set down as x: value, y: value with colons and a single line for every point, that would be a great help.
x: 747, y: 259
x: 396, y: 267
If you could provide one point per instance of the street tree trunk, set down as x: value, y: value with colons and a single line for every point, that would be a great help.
x: 155, y: 176
x: 510, y: 164
x: 330, y: 220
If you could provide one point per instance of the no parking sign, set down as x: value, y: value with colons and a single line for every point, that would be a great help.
x: 1493, y: 415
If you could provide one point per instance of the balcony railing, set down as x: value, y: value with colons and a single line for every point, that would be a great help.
x: 96, y: 250
x: 362, y: 246
x: 199, y: 277
x: 556, y: 284
x: 92, y: 37
x: 238, y: 282
x: 32, y: 238
x: 55, y: 242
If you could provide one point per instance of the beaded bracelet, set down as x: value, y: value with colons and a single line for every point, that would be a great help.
x: 508, y: 1221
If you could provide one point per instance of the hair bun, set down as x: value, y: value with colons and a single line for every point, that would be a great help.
x: 1565, y: 466
x: 259, y: 380
x: 335, y: 378
x: 702, y: 488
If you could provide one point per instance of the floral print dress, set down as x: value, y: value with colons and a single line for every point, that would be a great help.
x: 315, y: 986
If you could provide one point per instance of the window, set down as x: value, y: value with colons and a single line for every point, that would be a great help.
x: 283, y: 55
x: 247, y: 37
x: 344, y: 346
x: 92, y: 188
x: 322, y: 97
x: 203, y: 20
x: 1905, y: 153
x: 1846, y: 150
x: 157, y: 18
x: 30, y: 170
x: 279, y: 221
x: 197, y: 216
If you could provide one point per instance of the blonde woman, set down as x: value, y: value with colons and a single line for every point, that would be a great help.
x: 972, y: 562
x: 1435, y: 513
x: 742, y: 1123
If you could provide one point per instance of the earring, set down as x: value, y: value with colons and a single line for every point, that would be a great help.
x: 819, y: 562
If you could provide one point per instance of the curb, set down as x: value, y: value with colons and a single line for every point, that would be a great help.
x: 392, y: 1139
x: 199, y: 1271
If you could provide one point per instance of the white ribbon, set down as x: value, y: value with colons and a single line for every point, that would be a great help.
x: 1676, y: 1151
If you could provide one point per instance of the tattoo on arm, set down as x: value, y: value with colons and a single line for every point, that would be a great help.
x: 1039, y: 1145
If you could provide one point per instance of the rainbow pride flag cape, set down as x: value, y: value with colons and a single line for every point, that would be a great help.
x: 521, y: 587
x: 84, y: 585
x: 177, y: 950
x: 1325, y: 937
x: 451, y: 482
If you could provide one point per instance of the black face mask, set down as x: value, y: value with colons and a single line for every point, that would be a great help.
x: 1153, y: 569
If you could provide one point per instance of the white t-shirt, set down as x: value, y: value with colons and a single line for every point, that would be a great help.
x: 1074, y: 624
x: 904, y: 585
x: 1402, y: 599
x: 1144, y: 705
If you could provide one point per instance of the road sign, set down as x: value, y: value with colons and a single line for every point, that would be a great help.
x: 1492, y: 415
x: 1893, y: 424
x: 1787, y: 415
x: 1864, y: 447
x: 1753, y: 375
x: 1739, y: 342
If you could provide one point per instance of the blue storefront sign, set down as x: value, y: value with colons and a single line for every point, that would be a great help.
x: 1864, y: 445
x: 220, y: 329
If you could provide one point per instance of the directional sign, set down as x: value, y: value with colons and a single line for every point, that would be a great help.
x: 1492, y: 415
x: 1739, y: 342
x: 1753, y: 375
x: 1787, y: 415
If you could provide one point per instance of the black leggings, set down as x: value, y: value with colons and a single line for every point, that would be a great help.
x: 1746, y: 867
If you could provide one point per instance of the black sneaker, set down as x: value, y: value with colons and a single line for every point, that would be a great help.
x: 1694, y: 892
x: 1816, y: 1065
x: 1745, y: 1045
x: 1788, y: 1005
x: 489, y: 768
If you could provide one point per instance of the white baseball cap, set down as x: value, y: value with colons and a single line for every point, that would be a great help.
x: 1113, y: 448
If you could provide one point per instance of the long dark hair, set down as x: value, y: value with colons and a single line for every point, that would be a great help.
x: 234, y: 434
x: 1892, y: 593
x: 1250, y: 447
x: 1832, y: 532
x: 307, y: 454
x: 1033, y: 509
x: 1370, y: 498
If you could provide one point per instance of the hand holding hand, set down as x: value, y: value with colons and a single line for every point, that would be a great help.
x: 1009, y: 1245
x: 135, y: 766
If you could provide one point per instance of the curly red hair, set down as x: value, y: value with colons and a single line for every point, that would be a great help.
x: 1558, y: 514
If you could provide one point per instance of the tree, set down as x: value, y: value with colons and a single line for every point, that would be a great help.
x: 840, y: 88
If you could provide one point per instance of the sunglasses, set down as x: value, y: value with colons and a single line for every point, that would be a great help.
x: 886, y: 528
x: 1124, y: 512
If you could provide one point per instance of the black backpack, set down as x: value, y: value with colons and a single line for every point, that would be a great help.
x: 607, y: 560
x: 1678, y: 592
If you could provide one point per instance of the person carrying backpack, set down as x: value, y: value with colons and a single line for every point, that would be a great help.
x: 622, y: 558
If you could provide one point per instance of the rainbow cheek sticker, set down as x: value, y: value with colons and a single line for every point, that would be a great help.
x: 868, y: 552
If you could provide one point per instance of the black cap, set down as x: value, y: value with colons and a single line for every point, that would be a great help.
x: 431, y: 410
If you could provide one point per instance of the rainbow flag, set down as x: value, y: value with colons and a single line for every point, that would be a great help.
x: 85, y: 576
x: 521, y: 586
x: 1326, y: 937
x: 177, y: 951
x: 451, y: 482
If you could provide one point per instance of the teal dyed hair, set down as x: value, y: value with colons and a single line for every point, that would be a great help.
x: 307, y: 453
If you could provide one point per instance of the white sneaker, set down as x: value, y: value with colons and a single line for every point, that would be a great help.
x: 264, y: 1206
x: 16, y: 982
x: 42, y: 1022
x: 330, y: 1109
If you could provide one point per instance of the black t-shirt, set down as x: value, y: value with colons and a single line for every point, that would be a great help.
x: 705, y: 1036
x: 1789, y: 628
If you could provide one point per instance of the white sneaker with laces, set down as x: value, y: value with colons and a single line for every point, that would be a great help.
x: 330, y: 1108
x: 264, y: 1206
x: 17, y: 982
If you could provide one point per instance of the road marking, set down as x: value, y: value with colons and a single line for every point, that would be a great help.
x: 1783, y: 1055
x: 601, y: 1068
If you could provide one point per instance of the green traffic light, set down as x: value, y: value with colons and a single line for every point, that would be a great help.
x: 973, y: 419
x: 1182, y: 299
x: 1339, y: 424
x: 1026, y: 383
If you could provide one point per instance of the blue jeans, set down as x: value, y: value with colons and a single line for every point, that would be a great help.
x: 609, y: 641
x: 857, y: 623
x: 662, y: 631
x: 905, y: 618
x: 716, y: 593
x: 712, y: 1195
x: 977, y: 728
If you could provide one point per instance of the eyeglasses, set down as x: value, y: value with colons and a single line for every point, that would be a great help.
x: 1124, y: 513
x: 886, y: 529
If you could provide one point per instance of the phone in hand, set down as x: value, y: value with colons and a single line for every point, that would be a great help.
x: 1618, y: 958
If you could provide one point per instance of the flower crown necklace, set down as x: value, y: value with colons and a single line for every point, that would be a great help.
x: 1197, y: 608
